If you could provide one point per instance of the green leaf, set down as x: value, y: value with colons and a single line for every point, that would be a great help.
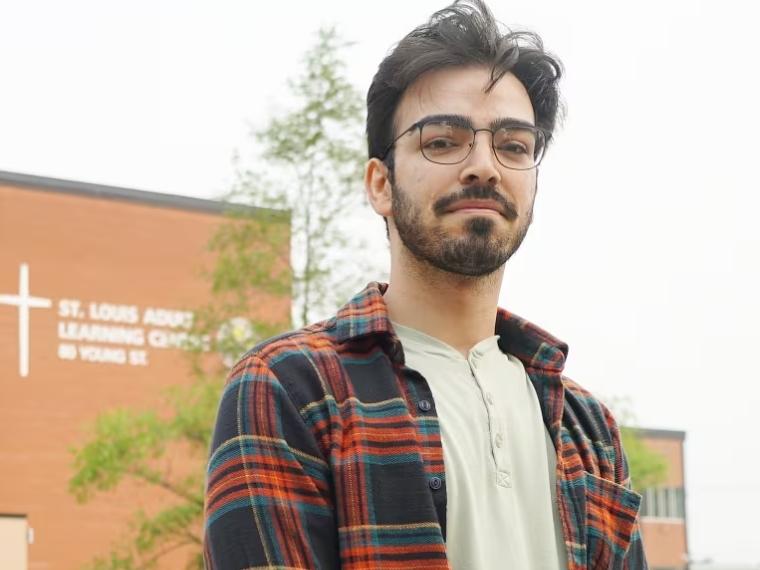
x: 647, y: 467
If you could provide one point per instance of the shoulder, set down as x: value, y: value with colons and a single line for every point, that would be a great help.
x: 591, y: 425
x: 590, y: 408
x: 310, y: 339
x: 287, y: 359
x: 271, y: 385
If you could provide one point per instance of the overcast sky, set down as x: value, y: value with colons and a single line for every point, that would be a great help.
x: 644, y: 251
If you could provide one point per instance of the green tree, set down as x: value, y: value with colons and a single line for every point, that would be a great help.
x: 311, y: 164
x: 648, y: 467
x: 312, y: 161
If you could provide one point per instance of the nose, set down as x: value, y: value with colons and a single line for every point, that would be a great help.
x: 481, y: 165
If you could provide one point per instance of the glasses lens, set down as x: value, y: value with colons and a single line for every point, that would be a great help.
x: 445, y: 143
x: 519, y: 148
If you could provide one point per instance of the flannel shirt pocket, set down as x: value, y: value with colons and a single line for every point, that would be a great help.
x: 611, y: 516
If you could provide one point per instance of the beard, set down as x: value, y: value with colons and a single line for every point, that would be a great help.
x: 480, y: 251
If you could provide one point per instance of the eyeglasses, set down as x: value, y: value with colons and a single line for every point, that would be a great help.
x: 450, y: 140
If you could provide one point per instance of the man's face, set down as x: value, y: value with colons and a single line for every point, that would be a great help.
x: 466, y: 218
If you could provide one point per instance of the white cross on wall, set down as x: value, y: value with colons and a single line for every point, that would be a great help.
x: 24, y: 302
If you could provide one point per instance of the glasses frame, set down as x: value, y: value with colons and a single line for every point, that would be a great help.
x: 421, y: 123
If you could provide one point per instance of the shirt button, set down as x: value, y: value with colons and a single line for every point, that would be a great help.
x: 435, y: 483
x: 425, y: 405
x: 499, y: 440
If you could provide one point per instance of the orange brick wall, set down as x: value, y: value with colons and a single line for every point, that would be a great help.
x: 665, y: 539
x: 672, y: 450
x: 93, y: 250
x: 665, y: 544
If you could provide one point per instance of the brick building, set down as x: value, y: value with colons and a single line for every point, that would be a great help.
x: 663, y: 511
x: 97, y: 286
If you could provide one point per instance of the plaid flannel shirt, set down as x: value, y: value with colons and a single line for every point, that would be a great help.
x: 324, y: 455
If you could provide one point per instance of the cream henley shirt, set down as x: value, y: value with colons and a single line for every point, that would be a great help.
x: 499, y: 460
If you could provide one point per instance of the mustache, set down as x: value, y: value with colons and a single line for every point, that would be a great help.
x: 477, y: 192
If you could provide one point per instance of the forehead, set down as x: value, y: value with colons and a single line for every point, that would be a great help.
x: 461, y: 91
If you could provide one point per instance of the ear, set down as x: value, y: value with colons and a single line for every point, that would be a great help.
x: 378, y: 186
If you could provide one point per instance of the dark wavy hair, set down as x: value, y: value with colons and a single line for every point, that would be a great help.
x: 463, y: 34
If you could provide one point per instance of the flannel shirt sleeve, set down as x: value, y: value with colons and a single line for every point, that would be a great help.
x: 635, y: 558
x: 268, y: 488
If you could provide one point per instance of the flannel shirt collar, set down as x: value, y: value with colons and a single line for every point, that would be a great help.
x: 366, y: 314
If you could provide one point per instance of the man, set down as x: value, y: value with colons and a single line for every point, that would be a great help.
x: 423, y: 427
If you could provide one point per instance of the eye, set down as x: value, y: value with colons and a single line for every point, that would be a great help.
x: 515, y: 142
x: 513, y: 147
x: 440, y: 143
x: 442, y: 138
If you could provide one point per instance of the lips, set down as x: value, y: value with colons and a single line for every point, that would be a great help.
x: 476, y: 199
x: 477, y: 205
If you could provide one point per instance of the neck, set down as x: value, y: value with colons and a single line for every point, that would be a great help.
x: 458, y: 310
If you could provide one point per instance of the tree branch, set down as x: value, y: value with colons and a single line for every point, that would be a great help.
x: 193, y: 538
x: 164, y: 484
x: 145, y: 565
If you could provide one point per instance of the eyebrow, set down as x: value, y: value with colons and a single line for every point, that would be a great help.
x: 505, y: 122
x: 462, y: 121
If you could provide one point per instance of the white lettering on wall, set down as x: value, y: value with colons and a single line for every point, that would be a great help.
x: 107, y: 333
x: 71, y: 330
x: 70, y: 309
x: 138, y: 358
x: 67, y: 351
x: 128, y: 314
x: 103, y: 354
x: 103, y: 332
x: 158, y: 338
x: 167, y: 318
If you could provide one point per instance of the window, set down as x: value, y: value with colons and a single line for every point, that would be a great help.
x: 664, y: 503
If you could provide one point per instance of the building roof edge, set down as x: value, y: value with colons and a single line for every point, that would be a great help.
x: 659, y: 433
x: 103, y: 191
